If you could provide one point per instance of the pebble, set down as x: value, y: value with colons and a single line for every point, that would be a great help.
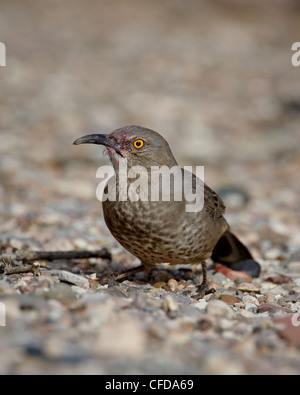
x: 297, y: 281
x: 272, y: 308
x: 5, y: 287
x: 230, y: 285
x: 115, y: 290
x: 71, y: 278
x: 160, y: 284
x: 201, y: 305
x: 294, y: 266
x: 25, y: 302
x: 60, y: 291
x: 289, y: 329
x: 205, y: 324
x: 173, y: 284
x: 78, y: 290
x: 219, y: 361
x: 272, y: 253
x: 181, y: 299
x: 170, y: 306
x: 139, y: 300
x: 280, y: 279
x: 229, y: 299
x: 219, y: 276
x: 16, y: 244
x: 251, y: 307
x: 277, y: 290
x: 247, y: 314
x: 247, y: 287
x: 250, y: 299
x: 296, y: 290
x: 124, y: 339
x: 80, y: 244
x: 223, y: 291
x: 218, y: 308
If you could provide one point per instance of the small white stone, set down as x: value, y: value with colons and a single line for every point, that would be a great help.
x: 247, y: 314
x: 250, y: 299
x: 251, y: 307
x: 201, y: 305
x: 248, y: 287
x: 219, y: 309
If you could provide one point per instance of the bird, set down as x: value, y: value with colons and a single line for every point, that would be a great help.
x: 159, y: 231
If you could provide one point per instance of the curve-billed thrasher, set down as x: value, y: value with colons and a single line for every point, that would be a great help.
x: 163, y: 231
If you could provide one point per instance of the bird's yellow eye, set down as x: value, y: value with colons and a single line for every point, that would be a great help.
x: 138, y: 144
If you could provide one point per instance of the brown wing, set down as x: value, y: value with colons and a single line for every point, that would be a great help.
x: 214, y: 205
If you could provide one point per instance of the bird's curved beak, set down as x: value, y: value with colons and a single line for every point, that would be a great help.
x: 100, y: 139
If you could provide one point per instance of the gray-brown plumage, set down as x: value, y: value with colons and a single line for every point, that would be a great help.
x: 163, y: 231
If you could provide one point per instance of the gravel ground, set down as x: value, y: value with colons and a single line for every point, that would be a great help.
x: 216, y: 79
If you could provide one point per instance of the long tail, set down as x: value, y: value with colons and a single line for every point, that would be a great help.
x: 230, y: 251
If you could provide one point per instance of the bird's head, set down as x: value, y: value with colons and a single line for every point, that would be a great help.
x: 140, y: 146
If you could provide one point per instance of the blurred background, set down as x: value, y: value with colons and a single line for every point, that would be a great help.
x: 214, y: 77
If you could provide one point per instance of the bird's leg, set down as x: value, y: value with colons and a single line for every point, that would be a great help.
x: 203, y: 289
x: 129, y: 272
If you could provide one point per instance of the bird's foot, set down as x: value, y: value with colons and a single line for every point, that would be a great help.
x: 202, y: 290
x: 115, y: 277
x: 128, y: 273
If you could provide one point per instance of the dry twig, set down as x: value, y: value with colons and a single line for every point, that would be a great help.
x: 31, y: 256
x: 34, y: 269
